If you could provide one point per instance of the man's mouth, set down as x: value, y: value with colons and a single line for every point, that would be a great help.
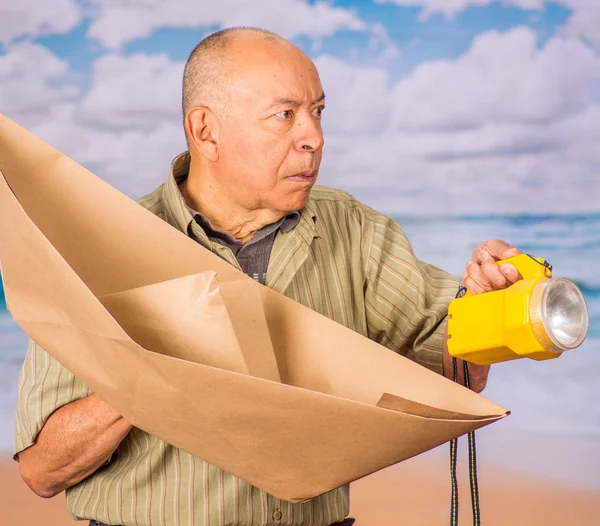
x: 307, y: 176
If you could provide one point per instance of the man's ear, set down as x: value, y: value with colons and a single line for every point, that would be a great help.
x: 202, y: 128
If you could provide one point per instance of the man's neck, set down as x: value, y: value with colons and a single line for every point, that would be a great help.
x: 236, y: 221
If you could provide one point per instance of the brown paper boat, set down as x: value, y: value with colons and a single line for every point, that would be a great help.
x: 191, y: 350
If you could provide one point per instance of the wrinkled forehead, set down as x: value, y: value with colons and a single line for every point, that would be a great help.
x: 262, y: 74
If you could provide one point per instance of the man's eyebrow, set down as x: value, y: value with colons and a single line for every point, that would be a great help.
x: 293, y: 102
x: 320, y: 99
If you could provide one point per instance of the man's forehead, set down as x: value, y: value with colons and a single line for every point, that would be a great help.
x: 279, y: 81
x: 274, y: 64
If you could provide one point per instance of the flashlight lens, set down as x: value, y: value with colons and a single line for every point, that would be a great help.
x: 563, y: 313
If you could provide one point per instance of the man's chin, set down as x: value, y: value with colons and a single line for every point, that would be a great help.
x: 299, y: 198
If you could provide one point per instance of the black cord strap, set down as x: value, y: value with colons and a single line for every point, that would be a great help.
x: 453, y: 455
x: 474, y: 485
x: 473, y: 463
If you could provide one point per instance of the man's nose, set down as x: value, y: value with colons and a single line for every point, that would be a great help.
x: 309, y: 135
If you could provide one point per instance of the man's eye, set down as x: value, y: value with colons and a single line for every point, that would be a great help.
x: 319, y: 111
x: 285, y: 114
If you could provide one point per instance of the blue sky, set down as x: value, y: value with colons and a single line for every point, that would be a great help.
x: 433, y: 102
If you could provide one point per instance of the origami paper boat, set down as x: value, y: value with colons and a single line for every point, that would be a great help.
x: 191, y: 350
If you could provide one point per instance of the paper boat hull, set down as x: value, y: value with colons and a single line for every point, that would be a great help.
x: 68, y: 239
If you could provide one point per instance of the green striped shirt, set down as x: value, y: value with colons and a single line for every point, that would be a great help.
x: 343, y: 260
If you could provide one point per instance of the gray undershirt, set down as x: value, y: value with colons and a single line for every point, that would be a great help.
x: 253, y: 256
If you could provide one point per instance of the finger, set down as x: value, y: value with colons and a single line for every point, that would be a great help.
x: 494, y: 248
x: 471, y: 285
x: 494, y: 275
x: 481, y: 253
x: 476, y: 274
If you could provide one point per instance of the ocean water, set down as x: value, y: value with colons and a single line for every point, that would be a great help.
x: 559, y: 396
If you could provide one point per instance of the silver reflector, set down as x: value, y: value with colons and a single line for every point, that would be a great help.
x: 559, y: 314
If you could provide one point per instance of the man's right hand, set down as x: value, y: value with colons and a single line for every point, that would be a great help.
x: 74, y: 442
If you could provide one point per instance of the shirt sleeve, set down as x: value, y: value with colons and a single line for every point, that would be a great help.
x: 406, y: 299
x: 44, y: 386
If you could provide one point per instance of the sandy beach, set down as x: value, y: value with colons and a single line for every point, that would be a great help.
x: 417, y: 493
x: 413, y: 493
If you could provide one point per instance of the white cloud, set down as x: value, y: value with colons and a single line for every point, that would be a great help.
x: 37, y: 17
x: 126, y: 128
x: 529, y: 182
x: 115, y: 24
x: 505, y: 127
x: 585, y: 20
x: 503, y: 77
x: 133, y: 92
x: 449, y: 8
x: 130, y: 120
x: 138, y: 161
x: 134, y: 161
x: 381, y: 39
x: 32, y: 80
x: 357, y: 98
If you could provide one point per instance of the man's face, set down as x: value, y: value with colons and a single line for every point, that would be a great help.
x: 271, y: 140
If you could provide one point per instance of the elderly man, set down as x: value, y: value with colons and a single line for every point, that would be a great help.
x: 252, y: 106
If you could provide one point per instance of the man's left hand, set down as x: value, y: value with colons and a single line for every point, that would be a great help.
x: 483, y: 274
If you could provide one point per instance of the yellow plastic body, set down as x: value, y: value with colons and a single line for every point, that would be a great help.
x: 495, y: 326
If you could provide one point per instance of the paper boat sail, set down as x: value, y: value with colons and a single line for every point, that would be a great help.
x: 191, y: 350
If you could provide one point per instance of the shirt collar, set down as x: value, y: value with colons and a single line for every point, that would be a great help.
x: 175, y: 206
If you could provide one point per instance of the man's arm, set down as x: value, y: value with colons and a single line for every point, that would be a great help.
x: 74, y: 442
x: 63, y: 431
x: 406, y: 299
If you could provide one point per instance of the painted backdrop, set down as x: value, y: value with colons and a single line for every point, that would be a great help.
x: 464, y: 119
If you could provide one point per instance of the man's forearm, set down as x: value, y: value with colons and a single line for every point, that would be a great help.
x: 75, y: 441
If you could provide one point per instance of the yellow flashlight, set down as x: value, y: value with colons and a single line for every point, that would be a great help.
x: 537, y: 317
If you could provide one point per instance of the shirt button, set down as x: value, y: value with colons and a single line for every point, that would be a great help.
x: 277, y: 515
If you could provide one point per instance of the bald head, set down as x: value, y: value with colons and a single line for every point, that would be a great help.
x: 207, y: 68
